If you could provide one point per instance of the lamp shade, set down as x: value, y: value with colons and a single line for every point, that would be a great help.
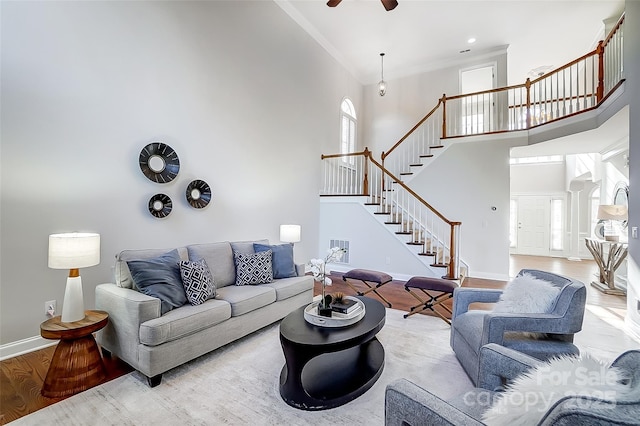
x: 74, y: 250
x: 290, y: 233
x: 612, y: 212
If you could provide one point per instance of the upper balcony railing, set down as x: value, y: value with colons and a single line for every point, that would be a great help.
x: 577, y: 87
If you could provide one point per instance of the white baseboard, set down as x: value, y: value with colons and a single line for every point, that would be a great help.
x: 24, y: 346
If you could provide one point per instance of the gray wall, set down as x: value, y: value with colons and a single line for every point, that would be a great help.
x: 409, y: 99
x: 246, y: 98
x: 632, y: 69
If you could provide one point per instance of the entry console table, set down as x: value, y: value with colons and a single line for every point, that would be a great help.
x: 76, y: 364
x: 328, y: 367
x: 608, y: 255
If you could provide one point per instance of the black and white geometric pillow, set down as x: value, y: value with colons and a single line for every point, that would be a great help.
x: 254, y: 268
x: 197, y: 281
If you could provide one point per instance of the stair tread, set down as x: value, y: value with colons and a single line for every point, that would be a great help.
x: 404, y: 233
x: 426, y: 156
x: 416, y: 165
x: 437, y: 146
x: 393, y: 223
x: 439, y: 265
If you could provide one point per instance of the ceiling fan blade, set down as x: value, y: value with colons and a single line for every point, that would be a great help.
x: 389, y: 4
x: 333, y: 3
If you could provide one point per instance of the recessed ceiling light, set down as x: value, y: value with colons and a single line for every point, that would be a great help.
x: 471, y: 40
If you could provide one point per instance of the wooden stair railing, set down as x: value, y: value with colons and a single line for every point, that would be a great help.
x: 577, y: 87
x: 359, y: 174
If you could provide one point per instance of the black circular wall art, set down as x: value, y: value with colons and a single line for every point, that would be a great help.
x: 160, y: 205
x: 198, y: 194
x: 159, y: 162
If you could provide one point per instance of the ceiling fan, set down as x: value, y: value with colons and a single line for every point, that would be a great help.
x: 388, y: 4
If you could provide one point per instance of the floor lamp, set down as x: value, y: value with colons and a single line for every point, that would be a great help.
x: 73, y: 251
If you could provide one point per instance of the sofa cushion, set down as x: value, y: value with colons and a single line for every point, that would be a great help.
x: 184, y: 321
x: 281, y: 259
x: 219, y: 258
x: 246, y: 247
x: 253, y: 268
x: 472, y: 324
x: 246, y: 298
x: 122, y: 275
x: 289, y: 287
x: 160, y: 277
x: 197, y: 280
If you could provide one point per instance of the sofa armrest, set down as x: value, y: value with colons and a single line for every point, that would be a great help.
x: 301, y: 269
x: 499, y: 365
x: 409, y: 404
x: 496, y: 324
x: 127, y: 309
x: 464, y: 296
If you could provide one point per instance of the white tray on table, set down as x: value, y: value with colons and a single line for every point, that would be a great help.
x: 337, y: 319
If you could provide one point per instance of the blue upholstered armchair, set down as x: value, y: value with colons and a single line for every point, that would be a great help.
x: 472, y: 329
x: 407, y: 404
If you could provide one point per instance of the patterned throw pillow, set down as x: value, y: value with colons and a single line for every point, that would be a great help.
x: 254, y: 268
x: 197, y: 280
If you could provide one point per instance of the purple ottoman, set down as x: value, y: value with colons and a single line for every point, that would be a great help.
x: 427, y: 287
x: 372, y: 279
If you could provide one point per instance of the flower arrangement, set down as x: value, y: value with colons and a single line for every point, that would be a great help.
x: 318, y: 269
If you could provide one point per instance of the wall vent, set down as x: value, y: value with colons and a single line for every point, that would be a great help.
x: 343, y: 244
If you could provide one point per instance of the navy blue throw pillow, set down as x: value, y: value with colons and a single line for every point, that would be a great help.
x: 282, y: 259
x: 160, y: 277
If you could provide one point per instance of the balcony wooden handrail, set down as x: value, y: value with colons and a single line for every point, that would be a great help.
x: 600, y: 96
x: 366, y: 153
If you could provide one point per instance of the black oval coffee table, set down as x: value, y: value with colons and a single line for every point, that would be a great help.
x: 328, y: 367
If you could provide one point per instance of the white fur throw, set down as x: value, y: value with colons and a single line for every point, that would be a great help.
x: 531, y: 395
x: 527, y: 294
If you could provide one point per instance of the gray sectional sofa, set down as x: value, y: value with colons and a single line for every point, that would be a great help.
x: 154, y: 342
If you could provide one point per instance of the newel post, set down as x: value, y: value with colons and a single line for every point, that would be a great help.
x: 600, y: 89
x: 527, y: 84
x: 365, y: 183
x: 453, y: 268
x: 444, y: 116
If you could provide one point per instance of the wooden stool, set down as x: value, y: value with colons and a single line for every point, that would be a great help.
x: 443, y: 288
x: 366, y: 276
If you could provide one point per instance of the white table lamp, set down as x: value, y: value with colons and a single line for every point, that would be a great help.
x: 290, y: 233
x: 73, y: 251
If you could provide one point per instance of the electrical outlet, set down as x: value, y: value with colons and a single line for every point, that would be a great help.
x: 50, y: 308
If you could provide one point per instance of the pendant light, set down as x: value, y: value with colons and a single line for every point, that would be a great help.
x: 382, y: 86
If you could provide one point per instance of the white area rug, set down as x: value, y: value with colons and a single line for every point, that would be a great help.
x: 239, y: 385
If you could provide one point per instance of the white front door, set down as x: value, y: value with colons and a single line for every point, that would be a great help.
x: 533, y: 225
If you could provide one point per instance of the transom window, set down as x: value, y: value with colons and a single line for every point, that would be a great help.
x: 348, y: 128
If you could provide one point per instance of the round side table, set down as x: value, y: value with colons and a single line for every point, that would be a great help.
x: 76, y: 364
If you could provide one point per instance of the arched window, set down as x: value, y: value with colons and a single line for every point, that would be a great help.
x: 348, y: 128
